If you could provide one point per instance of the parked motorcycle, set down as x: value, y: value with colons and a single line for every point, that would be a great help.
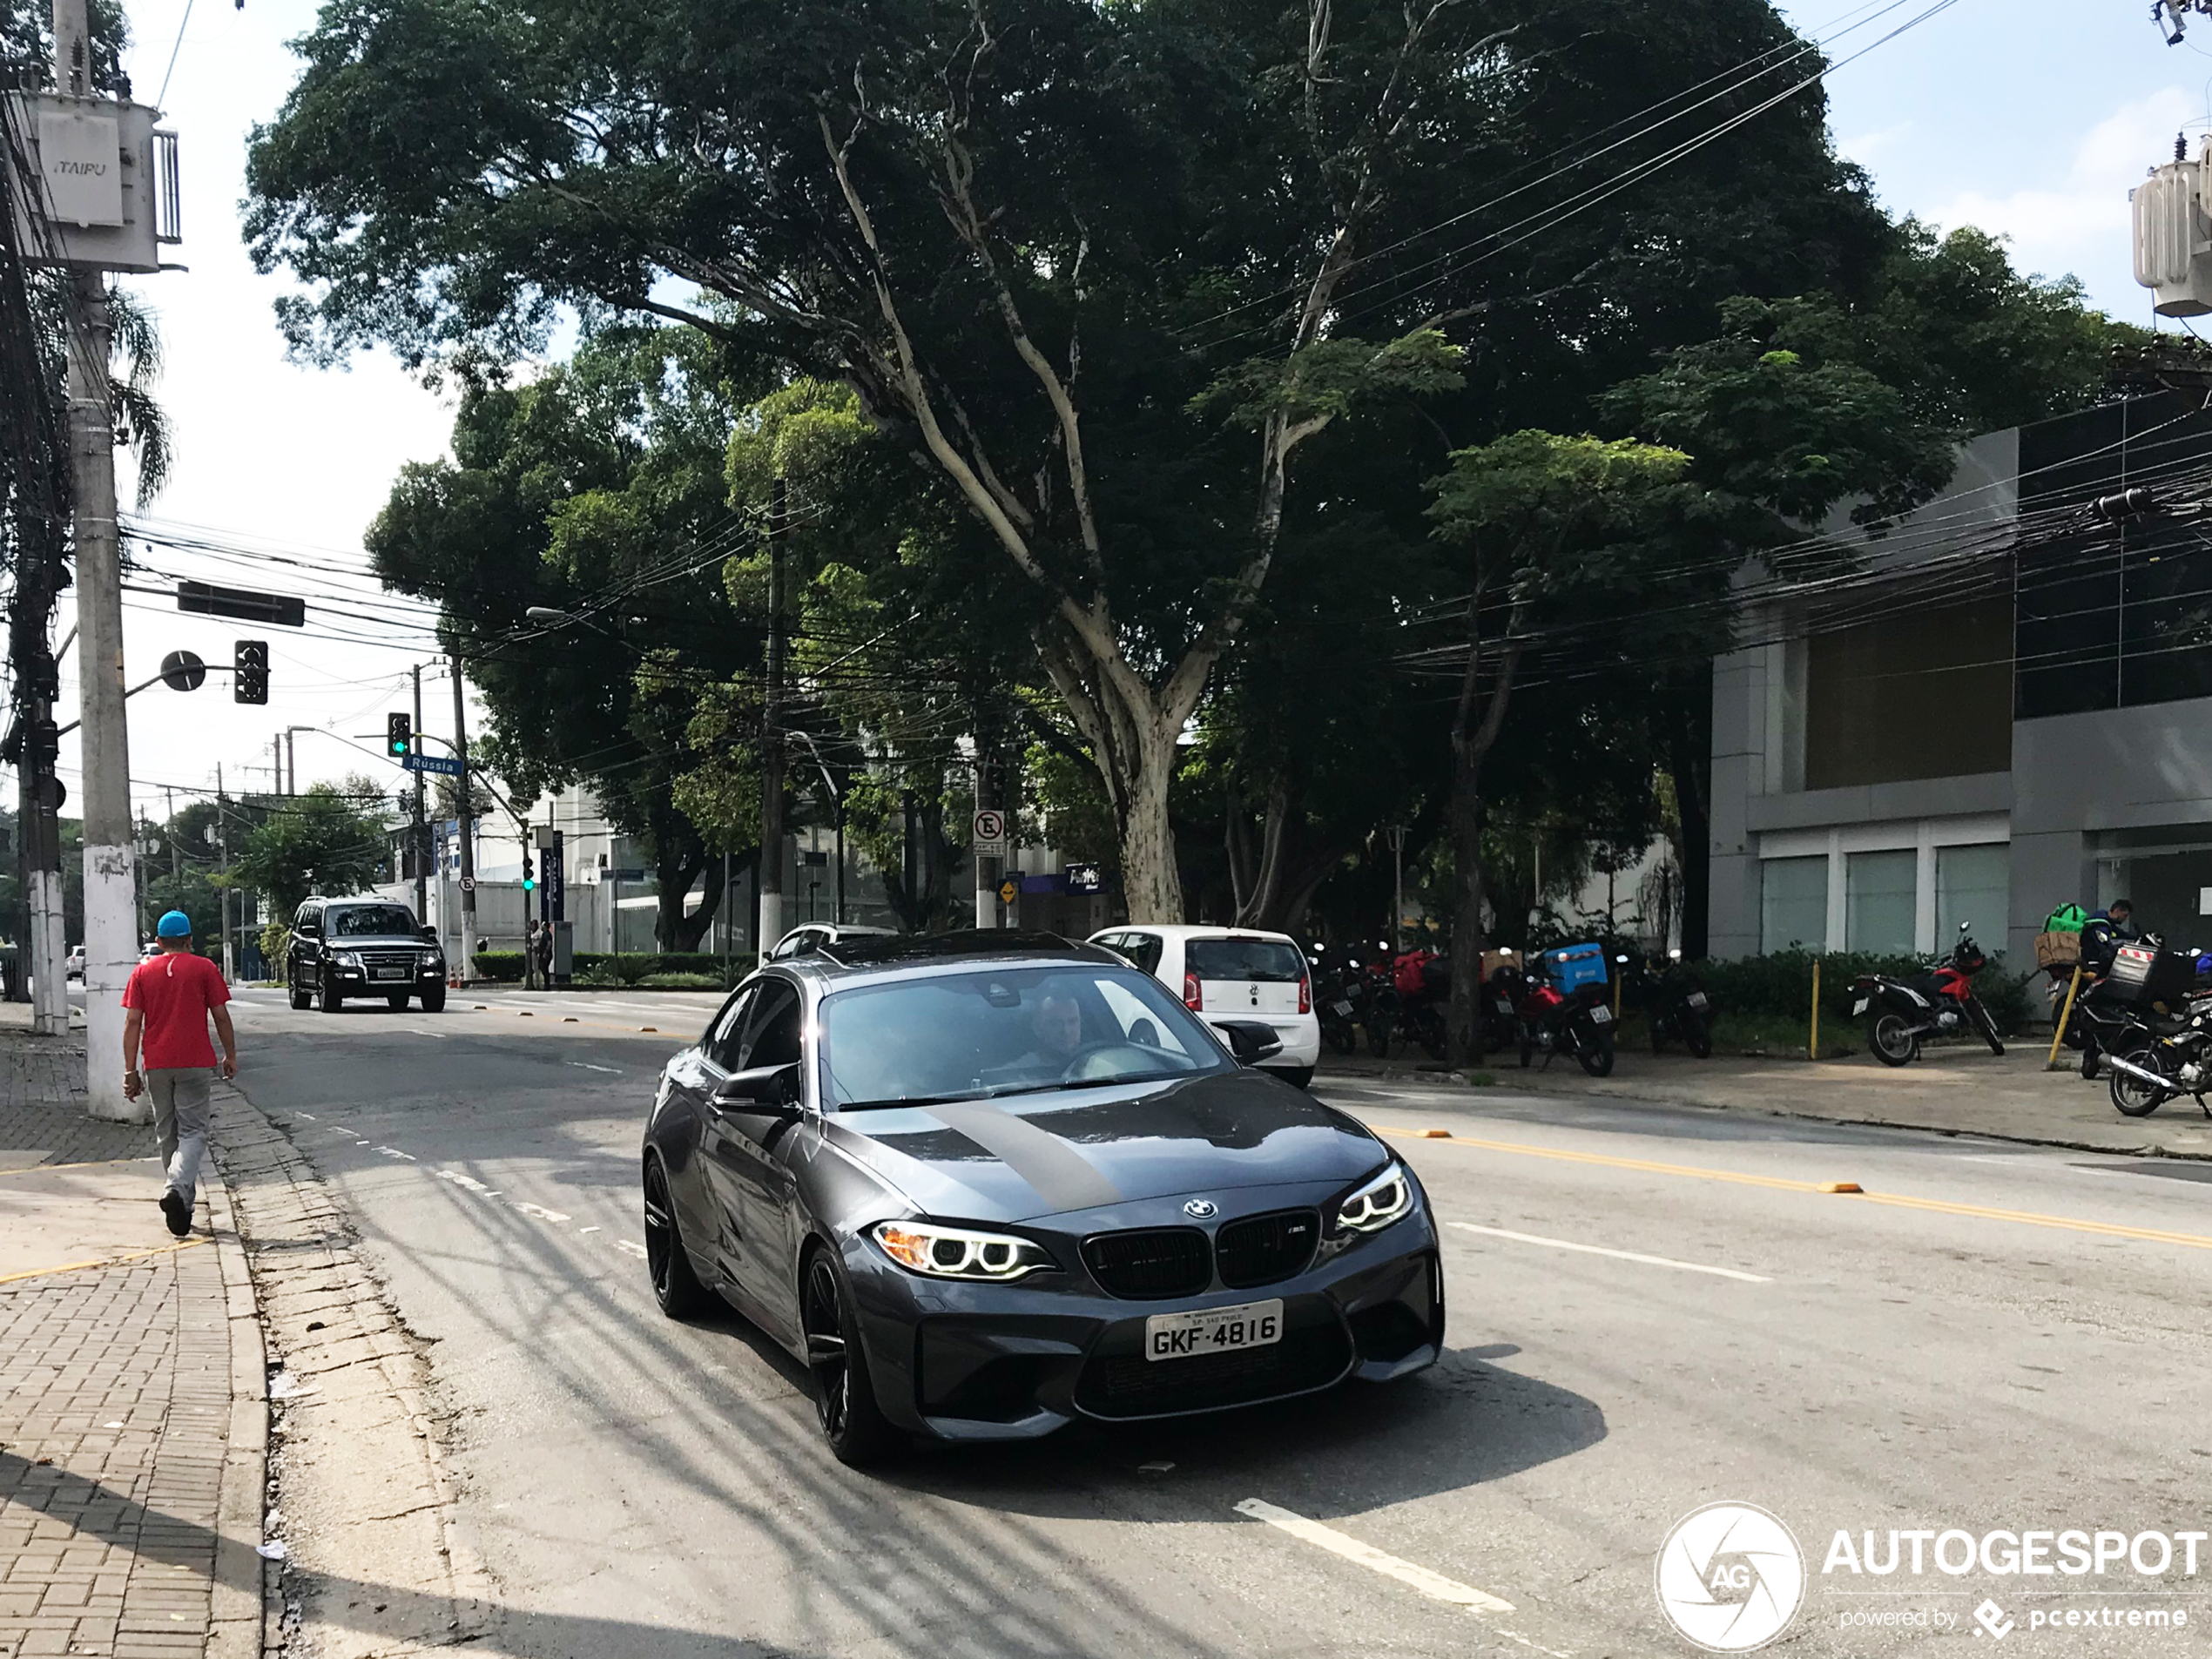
x: 1552, y: 1021
x: 1338, y: 988
x: 1423, y: 981
x: 1899, y: 1013
x: 2179, y: 1063
x: 1674, y: 1004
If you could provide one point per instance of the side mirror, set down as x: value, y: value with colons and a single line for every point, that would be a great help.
x: 762, y: 1088
x: 1249, y: 1041
x: 429, y: 933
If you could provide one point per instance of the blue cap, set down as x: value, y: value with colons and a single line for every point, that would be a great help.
x: 174, y: 924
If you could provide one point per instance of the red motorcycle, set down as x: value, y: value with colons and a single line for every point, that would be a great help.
x: 1899, y: 1012
x: 1553, y: 1021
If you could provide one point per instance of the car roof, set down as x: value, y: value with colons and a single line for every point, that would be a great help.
x: 846, y: 962
x: 1197, y: 930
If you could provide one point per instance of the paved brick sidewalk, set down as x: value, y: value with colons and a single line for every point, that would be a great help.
x: 132, y: 1426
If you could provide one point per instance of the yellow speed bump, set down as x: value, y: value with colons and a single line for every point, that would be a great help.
x: 526, y: 1014
x: 1436, y: 1135
x: 649, y: 1027
x: 1841, y: 1186
x: 480, y: 1008
x: 568, y: 1019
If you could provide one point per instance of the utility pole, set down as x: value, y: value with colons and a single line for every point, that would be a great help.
x: 421, y: 837
x: 276, y: 764
x: 111, y: 935
x: 770, y: 928
x: 223, y: 865
x: 468, y: 825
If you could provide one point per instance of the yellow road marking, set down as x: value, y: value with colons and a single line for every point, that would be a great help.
x: 1939, y: 1206
x: 124, y: 1260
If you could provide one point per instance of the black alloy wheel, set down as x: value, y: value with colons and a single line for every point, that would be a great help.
x: 844, y: 1397
x: 330, y: 1001
x: 676, y: 1287
x: 302, y: 999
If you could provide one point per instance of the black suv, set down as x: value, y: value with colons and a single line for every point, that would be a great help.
x: 362, y: 947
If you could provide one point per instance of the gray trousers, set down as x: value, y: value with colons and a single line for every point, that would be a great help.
x: 180, y: 1114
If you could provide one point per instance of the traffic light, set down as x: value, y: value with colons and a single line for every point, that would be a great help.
x: 399, y: 735
x: 530, y: 879
x: 250, y: 672
x: 41, y: 741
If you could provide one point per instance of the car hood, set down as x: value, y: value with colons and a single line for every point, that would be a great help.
x: 1024, y: 1157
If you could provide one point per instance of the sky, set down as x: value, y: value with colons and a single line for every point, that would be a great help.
x: 2029, y: 117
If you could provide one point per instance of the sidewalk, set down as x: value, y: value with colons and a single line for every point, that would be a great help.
x: 1952, y: 1091
x: 132, y: 1420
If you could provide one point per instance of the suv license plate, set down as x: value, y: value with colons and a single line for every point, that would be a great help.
x: 388, y: 973
x: 1178, y: 1336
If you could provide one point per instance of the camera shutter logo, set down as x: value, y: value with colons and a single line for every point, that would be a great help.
x: 1730, y: 1577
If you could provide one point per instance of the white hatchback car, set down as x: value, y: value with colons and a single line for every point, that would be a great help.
x: 1224, y: 974
x: 810, y: 936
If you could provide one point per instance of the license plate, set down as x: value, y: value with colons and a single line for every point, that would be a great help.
x: 1341, y: 1009
x: 1601, y: 1015
x: 388, y: 973
x: 1858, y: 1007
x: 1504, y: 1006
x: 1698, y: 1000
x: 1178, y: 1336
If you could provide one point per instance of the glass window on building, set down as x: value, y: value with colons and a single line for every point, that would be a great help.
x: 1877, y: 900
x: 1974, y: 885
x: 1793, y: 903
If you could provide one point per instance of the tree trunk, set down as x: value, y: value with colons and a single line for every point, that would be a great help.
x: 684, y: 932
x: 1463, y: 1030
x: 1151, y: 885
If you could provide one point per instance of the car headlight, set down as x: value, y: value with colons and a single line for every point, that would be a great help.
x: 345, y: 958
x: 433, y: 959
x: 1375, y: 1205
x: 952, y: 1253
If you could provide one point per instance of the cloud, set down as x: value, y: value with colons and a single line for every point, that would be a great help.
x: 2079, y: 223
x: 1867, y: 147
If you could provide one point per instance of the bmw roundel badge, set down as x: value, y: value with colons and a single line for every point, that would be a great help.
x: 1199, y: 1208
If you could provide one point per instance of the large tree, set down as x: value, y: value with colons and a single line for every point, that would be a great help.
x: 1103, y: 269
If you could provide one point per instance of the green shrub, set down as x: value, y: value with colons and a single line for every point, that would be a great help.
x: 1780, y: 986
x: 681, y: 982
x: 597, y: 968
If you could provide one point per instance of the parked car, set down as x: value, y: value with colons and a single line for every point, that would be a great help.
x: 984, y: 1184
x: 1225, y: 974
x: 809, y: 937
x: 75, y: 963
x: 361, y: 948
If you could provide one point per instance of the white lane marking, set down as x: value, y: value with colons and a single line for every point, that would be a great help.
x: 468, y: 1182
x: 586, y: 1229
x: 310, y: 1116
x: 540, y: 1211
x: 395, y: 1152
x: 638, y: 1250
x: 585, y: 1065
x: 1619, y: 1255
x: 1336, y: 1543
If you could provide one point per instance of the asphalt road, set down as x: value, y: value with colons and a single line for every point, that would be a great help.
x: 1651, y: 1309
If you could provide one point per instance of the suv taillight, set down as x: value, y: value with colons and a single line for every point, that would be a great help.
x: 1305, y: 994
x: 1192, y: 997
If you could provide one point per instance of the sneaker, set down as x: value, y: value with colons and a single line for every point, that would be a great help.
x: 179, y: 1212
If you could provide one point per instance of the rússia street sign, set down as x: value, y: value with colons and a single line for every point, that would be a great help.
x: 445, y: 764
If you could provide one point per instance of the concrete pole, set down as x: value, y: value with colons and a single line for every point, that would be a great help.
x: 772, y: 742
x: 421, y: 838
x: 223, y: 864
x: 291, y: 763
x: 467, y: 828
x: 110, y: 861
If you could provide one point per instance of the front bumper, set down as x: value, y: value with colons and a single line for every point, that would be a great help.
x: 959, y: 1361
x: 357, y: 979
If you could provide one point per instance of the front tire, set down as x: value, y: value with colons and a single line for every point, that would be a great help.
x: 434, y: 1001
x: 676, y: 1287
x: 1595, y: 1052
x: 397, y: 1001
x: 1698, y: 1035
x: 1986, y: 1025
x: 330, y: 1001
x: 844, y: 1401
x: 1891, y: 1040
x: 302, y: 999
x: 2131, y: 1096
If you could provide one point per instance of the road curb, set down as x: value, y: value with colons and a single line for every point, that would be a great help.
x: 240, y: 1593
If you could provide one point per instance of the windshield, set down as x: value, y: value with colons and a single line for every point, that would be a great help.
x: 964, y: 1036
x: 1268, y: 961
x: 371, y: 920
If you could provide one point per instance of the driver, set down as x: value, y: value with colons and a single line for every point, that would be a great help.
x: 1057, y: 1029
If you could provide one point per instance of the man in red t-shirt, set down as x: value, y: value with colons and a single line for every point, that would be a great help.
x: 168, y: 1001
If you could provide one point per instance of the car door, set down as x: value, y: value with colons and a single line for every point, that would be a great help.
x: 690, y: 1080
x: 307, y: 934
x: 750, y: 1147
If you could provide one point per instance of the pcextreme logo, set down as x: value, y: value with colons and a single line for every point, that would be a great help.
x: 1730, y: 1577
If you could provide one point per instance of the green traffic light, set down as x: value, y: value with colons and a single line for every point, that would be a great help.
x: 529, y: 884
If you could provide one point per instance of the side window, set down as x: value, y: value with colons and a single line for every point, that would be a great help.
x: 774, y: 1039
x: 1135, y: 1020
x: 721, y: 1044
x: 1143, y: 949
x: 308, y: 922
x: 1118, y: 943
